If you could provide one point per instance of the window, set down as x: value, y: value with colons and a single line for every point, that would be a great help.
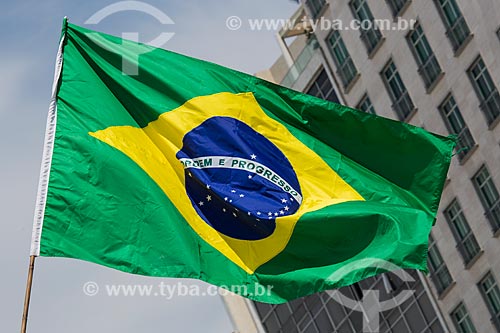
x: 365, y: 105
x: 402, y: 103
x: 300, y: 63
x: 397, y: 6
x: 461, y: 319
x: 428, y: 66
x: 456, y: 27
x: 315, y: 6
x: 268, y: 316
x: 466, y: 241
x: 320, y: 313
x: 345, y: 67
x: 485, y: 90
x: 438, y: 271
x: 370, y: 36
x: 488, y: 194
x: 322, y: 87
x: 491, y: 294
x: 456, y: 125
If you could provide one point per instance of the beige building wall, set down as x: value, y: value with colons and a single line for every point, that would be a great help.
x: 483, y: 19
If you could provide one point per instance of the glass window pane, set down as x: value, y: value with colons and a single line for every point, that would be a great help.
x: 485, y: 89
x: 305, y: 321
x: 336, y: 311
x: 438, y: 271
x: 313, y: 303
x: 271, y: 324
x: 461, y: 320
x: 490, y: 193
x: 282, y: 312
x: 429, y: 67
x: 323, y: 322
x: 356, y: 320
x: 372, y: 36
x: 397, y: 5
x: 403, y: 104
x: 345, y: 67
x: 323, y: 88
x: 456, y: 121
x: 415, y: 319
x: 450, y: 10
x: 457, y: 29
x: 263, y: 309
x: 456, y: 125
x: 420, y: 44
x: 315, y: 6
x: 366, y: 105
x: 491, y: 293
x: 487, y: 189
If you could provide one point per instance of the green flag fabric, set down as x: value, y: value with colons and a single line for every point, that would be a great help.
x: 188, y: 169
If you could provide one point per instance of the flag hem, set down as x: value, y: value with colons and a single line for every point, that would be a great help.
x: 48, y: 148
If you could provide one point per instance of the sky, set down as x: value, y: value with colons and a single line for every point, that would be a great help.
x: 29, y: 33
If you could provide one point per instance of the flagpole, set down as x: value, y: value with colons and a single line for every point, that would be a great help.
x: 28, y: 294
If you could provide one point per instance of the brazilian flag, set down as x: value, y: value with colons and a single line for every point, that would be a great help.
x: 184, y: 168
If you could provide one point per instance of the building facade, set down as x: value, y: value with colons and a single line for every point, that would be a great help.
x: 441, y: 71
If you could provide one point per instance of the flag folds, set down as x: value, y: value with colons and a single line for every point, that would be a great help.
x: 189, y: 169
